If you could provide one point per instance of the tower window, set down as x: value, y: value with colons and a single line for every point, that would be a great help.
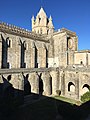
x: 81, y: 62
x: 39, y: 20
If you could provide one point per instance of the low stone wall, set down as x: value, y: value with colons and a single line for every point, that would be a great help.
x: 72, y: 83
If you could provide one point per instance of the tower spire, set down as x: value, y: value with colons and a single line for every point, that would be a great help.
x: 41, y: 3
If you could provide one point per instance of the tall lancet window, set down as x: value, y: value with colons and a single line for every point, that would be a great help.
x: 36, y: 57
x: 35, y: 52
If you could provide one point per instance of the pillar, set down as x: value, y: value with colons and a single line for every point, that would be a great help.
x: 34, y: 80
x: 55, y: 82
x: 44, y: 56
x: 47, y: 83
x: 18, y: 54
x: 77, y: 85
x: 21, y: 82
x: 62, y: 78
x: 36, y: 83
x: 40, y: 57
x: 32, y: 55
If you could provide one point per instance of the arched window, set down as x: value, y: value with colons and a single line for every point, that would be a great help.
x: 47, y: 32
x: 81, y: 62
x: 39, y: 19
x: 71, y: 87
x: 9, y: 44
x: 36, y: 57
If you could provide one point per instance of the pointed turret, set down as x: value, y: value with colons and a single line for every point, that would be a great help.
x: 33, y: 21
x: 50, y: 18
x: 32, y: 18
x: 42, y: 24
x: 50, y: 25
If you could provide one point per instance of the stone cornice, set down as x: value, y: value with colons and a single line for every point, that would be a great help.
x: 11, y: 29
x: 26, y: 70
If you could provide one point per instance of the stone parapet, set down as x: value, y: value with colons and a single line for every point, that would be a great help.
x: 12, y: 29
x: 64, y: 30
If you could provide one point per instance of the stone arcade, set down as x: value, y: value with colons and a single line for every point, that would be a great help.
x: 49, y: 58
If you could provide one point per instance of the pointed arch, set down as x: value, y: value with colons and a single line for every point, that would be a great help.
x: 71, y: 87
x: 85, y: 88
x: 40, y: 85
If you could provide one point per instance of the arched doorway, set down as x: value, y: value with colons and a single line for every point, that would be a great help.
x: 40, y: 84
x: 71, y: 87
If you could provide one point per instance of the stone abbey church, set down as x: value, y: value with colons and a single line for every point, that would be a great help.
x: 49, y: 60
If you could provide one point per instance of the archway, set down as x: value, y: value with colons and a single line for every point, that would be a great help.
x: 40, y: 85
x: 71, y: 87
x: 27, y: 86
x: 51, y: 84
x: 85, y: 88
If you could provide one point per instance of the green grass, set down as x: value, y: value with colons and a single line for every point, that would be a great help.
x: 68, y: 100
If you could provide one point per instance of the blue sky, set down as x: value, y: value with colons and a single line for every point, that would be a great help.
x: 71, y: 14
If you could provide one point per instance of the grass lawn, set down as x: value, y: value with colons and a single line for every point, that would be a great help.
x: 68, y: 100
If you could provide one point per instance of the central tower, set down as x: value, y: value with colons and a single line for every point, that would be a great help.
x: 42, y: 24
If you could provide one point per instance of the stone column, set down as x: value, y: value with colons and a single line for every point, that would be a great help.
x: 0, y: 52
x: 47, y: 83
x: 18, y: 54
x: 77, y: 85
x: 44, y: 56
x: 36, y: 84
x: 62, y: 83
x: 34, y: 80
x: 55, y: 82
x: 21, y: 82
x: 39, y: 57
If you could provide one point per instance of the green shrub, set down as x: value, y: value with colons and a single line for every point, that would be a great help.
x: 85, y: 97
